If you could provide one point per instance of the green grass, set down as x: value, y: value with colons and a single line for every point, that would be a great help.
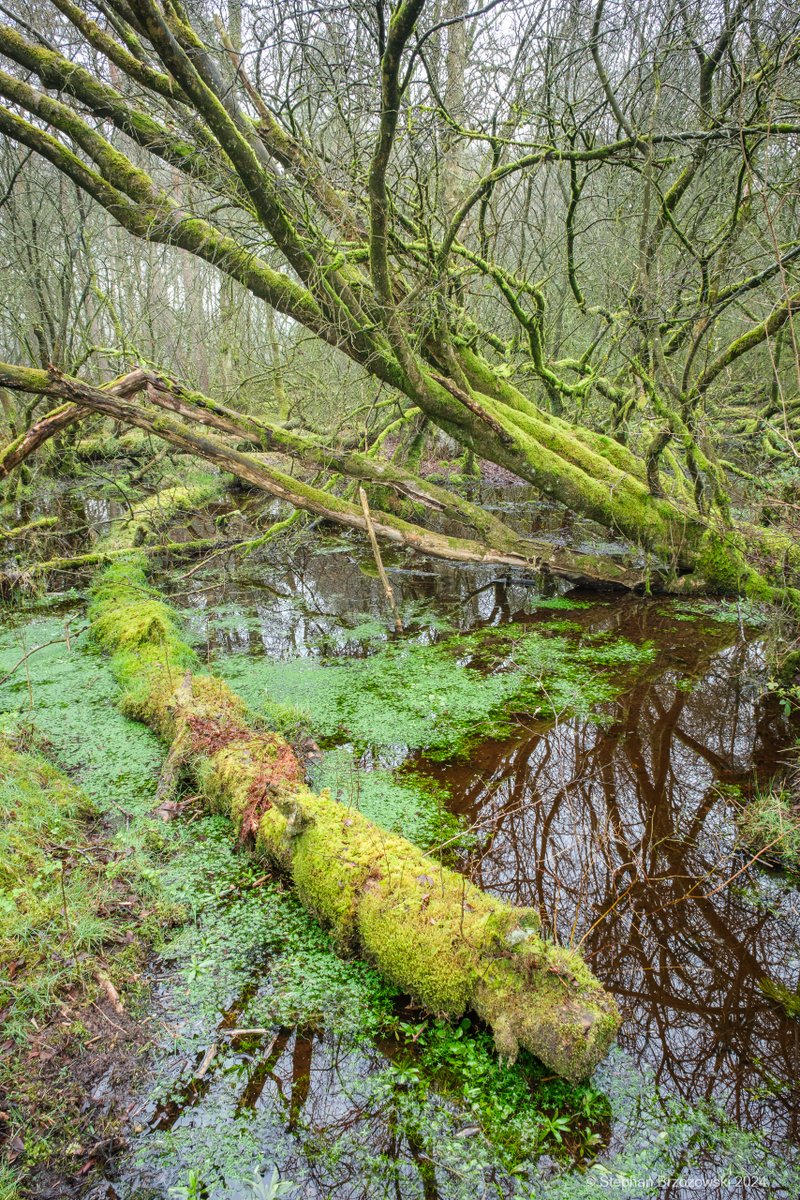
x: 8, y: 1183
x: 50, y: 892
x: 782, y: 995
x: 769, y: 825
x: 57, y: 897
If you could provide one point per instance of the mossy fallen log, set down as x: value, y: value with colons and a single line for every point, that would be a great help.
x: 429, y: 930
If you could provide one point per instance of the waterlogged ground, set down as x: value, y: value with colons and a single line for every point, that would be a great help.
x: 574, y: 754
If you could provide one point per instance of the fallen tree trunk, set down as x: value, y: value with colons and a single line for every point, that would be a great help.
x: 499, y: 544
x: 426, y: 928
x: 59, y: 419
x: 713, y: 559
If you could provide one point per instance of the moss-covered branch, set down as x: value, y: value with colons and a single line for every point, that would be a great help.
x: 426, y: 928
x: 510, y: 551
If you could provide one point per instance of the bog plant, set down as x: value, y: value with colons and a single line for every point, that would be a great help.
x: 442, y: 698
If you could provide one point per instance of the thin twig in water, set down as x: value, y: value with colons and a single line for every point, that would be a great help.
x: 44, y: 645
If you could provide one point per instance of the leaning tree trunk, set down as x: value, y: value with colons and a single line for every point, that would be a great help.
x: 354, y: 261
x: 495, y: 542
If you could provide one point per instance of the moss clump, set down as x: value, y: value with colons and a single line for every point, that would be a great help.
x: 159, y: 510
x: 432, y: 933
x: 132, y: 443
x: 339, y: 861
x: 785, y: 997
x: 141, y: 632
x: 722, y: 567
x: 770, y: 826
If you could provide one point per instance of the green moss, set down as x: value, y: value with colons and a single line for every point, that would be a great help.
x: 398, y: 802
x: 158, y: 511
x: 558, y: 603
x: 431, y: 932
x: 128, y: 620
x: 101, y: 446
x: 423, y: 926
x: 374, y: 889
x: 787, y: 999
x: 225, y: 780
x: 252, y: 937
x: 48, y: 911
x: 780, y: 551
x: 722, y: 567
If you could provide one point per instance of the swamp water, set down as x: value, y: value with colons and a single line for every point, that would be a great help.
x: 615, y: 817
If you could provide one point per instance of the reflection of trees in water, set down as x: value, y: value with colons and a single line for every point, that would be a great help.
x: 288, y: 608
x: 618, y: 834
x: 323, y: 1087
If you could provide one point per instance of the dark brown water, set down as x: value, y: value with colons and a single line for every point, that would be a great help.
x: 621, y: 832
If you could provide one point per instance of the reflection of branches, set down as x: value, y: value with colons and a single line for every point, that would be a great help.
x: 617, y: 833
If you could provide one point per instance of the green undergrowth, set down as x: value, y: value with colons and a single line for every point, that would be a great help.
x: 406, y: 804
x: 50, y: 922
x: 248, y: 943
x: 79, y: 871
x: 236, y: 938
x: 237, y: 947
x: 71, y: 897
x: 751, y: 613
x: 252, y: 958
x: 104, y: 445
x: 769, y: 825
x: 523, y: 1109
x: 441, y: 698
x: 665, y: 1142
x: 559, y: 603
x: 66, y: 694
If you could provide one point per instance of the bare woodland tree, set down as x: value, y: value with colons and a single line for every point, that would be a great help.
x: 564, y: 234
